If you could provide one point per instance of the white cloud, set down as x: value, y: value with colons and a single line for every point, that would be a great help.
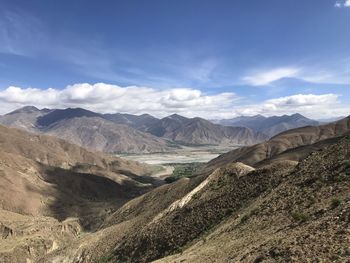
x: 342, y: 3
x: 310, y: 105
x: 304, y: 100
x: 314, y: 75
x: 269, y: 76
x: 105, y: 98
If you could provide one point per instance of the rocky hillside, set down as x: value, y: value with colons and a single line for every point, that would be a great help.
x: 299, y: 215
x: 270, y: 126
x: 282, y: 212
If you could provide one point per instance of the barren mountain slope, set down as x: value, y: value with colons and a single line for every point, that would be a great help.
x: 30, y: 161
x: 48, y: 180
x: 103, y: 135
x: 23, y: 118
x: 277, y: 209
x: 278, y: 213
x: 305, y: 218
x: 270, y: 125
x: 218, y: 196
x: 200, y: 131
x: 56, y: 152
x: 85, y: 128
x: 128, y: 220
x: 140, y: 122
x: 282, y: 142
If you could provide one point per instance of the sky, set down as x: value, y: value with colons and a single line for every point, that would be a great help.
x: 207, y: 58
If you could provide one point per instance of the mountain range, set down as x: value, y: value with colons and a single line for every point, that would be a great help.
x: 270, y: 126
x: 126, y: 133
x: 199, y: 131
x: 283, y: 200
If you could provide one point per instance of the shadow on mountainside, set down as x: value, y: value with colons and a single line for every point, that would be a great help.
x: 85, y: 196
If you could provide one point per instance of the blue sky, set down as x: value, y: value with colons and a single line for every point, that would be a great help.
x: 206, y: 58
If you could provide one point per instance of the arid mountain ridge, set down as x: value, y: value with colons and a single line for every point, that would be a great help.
x: 118, y: 133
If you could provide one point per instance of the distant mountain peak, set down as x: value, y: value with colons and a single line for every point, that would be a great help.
x: 297, y: 115
x: 176, y: 116
x: 146, y: 115
x: 61, y: 114
x: 270, y: 125
x: 257, y: 116
x: 25, y: 109
x: 199, y: 119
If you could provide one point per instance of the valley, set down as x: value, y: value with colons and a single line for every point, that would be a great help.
x: 185, y: 154
x: 165, y: 163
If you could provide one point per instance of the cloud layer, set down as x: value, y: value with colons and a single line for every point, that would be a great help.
x: 105, y: 98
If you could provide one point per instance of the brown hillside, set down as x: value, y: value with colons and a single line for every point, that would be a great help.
x: 278, y: 213
x: 52, y: 192
x: 305, y: 218
x: 280, y: 143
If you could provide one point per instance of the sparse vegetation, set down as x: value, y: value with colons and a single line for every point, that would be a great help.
x: 299, y: 216
x: 182, y: 170
x: 196, y: 195
x: 335, y: 203
x: 346, y: 165
x: 229, y: 211
x: 185, y: 170
x: 312, y: 199
x: 170, y: 179
x: 244, y: 218
x: 104, y: 259
x: 219, y: 183
x: 247, y: 216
